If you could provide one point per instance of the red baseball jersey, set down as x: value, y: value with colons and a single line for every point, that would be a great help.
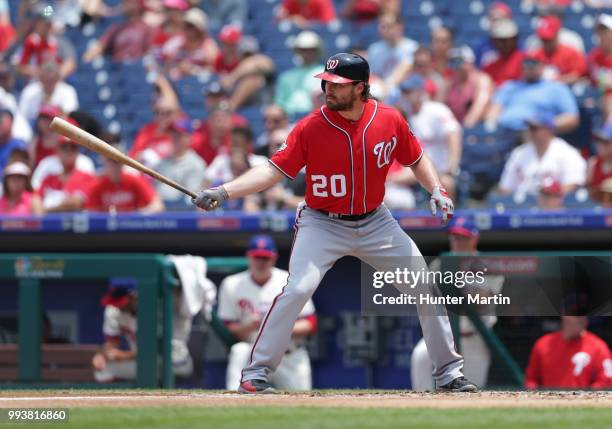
x: 347, y: 161
x: 130, y: 194
x: 558, y: 363
x: 76, y: 184
x: 40, y: 49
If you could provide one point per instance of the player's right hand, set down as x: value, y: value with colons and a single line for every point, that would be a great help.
x: 440, y: 199
x: 210, y: 199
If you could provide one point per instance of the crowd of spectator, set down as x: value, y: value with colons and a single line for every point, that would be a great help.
x: 506, y: 82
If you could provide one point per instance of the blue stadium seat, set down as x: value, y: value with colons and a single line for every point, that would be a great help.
x: 510, y: 202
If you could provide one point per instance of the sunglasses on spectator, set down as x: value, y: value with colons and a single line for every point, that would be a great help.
x: 164, y: 112
x: 275, y: 119
x: 69, y: 147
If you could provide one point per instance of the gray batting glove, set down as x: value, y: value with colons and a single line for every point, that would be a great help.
x: 440, y: 199
x: 210, y: 199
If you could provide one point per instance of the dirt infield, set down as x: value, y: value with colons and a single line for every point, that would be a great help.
x: 350, y: 399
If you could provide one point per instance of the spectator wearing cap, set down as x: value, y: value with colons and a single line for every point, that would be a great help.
x: 243, y: 70
x: 391, y: 57
x: 600, y: 165
x: 463, y: 238
x: 117, y: 190
x: 17, y: 196
x: 434, y: 124
x: 441, y: 45
x: 561, y: 62
x: 483, y: 49
x: 43, y: 44
x: 226, y: 166
x: 183, y: 166
x: 600, y: 62
x: 193, y: 51
x: 295, y: 86
x: 173, y: 23
x: 49, y: 89
x: 52, y: 164
x: 550, y: 194
x: 65, y: 191
x: 506, y: 64
x: 8, y: 143
x: 518, y: 100
x: 566, y: 36
x: 542, y: 155
x: 470, y: 90
x: 368, y: 10
x: 222, y: 12
x: 152, y: 143
x: 570, y: 358
x: 275, y: 118
x: 125, y: 41
x: 213, y: 134
x: 303, y: 13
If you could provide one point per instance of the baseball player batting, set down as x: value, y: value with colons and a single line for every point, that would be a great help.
x: 347, y: 148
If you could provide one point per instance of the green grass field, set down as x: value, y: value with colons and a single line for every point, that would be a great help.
x: 165, y: 409
x: 310, y: 417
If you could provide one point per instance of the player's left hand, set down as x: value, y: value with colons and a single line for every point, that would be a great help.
x: 210, y: 199
x: 440, y: 199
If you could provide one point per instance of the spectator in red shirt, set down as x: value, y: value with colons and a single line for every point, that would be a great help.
x: 304, y: 12
x: 65, y: 192
x: 43, y: 45
x: 562, y: 62
x: 45, y: 141
x: 600, y: 62
x: 126, y: 41
x: 599, y: 168
x: 193, y: 51
x: 173, y: 24
x: 17, y: 198
x: 509, y: 62
x: 572, y: 358
x: 153, y: 142
x: 368, y: 10
x: 243, y: 71
x: 120, y: 191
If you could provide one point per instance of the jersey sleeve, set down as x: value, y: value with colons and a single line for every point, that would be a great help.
x: 111, y: 328
x: 603, y: 368
x: 226, y: 309
x: 27, y: 52
x: 509, y: 179
x: 533, y: 371
x: 291, y: 156
x: 409, y: 149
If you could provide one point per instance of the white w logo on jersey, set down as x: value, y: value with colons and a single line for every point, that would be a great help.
x: 383, y: 151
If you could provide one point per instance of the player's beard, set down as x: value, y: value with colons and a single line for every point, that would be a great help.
x: 341, y: 104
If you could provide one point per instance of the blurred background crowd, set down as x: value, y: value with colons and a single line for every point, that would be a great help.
x: 511, y: 100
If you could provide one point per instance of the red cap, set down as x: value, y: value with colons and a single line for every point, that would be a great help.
x: 499, y: 10
x: 49, y: 111
x: 548, y: 27
x: 230, y: 34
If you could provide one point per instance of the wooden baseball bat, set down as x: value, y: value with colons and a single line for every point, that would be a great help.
x: 92, y: 142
